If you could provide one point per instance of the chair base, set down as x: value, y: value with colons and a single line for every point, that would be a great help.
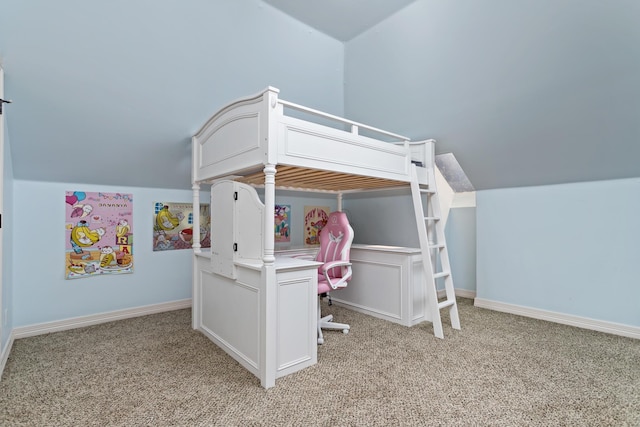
x: 327, y: 322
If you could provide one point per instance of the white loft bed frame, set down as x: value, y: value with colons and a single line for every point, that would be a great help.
x: 242, y: 299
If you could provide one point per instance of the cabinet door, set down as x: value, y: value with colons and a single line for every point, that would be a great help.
x: 237, y: 223
x: 222, y: 225
x: 249, y: 217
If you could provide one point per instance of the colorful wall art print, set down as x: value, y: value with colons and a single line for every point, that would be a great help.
x: 173, y: 226
x: 282, y: 217
x: 99, y: 234
x: 315, y: 217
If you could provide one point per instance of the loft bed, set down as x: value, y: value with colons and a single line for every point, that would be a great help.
x: 258, y: 307
x: 250, y: 133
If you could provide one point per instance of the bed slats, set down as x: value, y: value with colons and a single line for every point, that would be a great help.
x: 312, y: 179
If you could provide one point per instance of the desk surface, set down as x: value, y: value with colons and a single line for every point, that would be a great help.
x: 282, y: 263
x: 378, y: 248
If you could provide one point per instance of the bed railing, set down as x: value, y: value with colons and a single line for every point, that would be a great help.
x: 355, y: 127
x: 421, y: 151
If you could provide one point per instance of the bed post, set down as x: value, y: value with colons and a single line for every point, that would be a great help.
x: 269, y: 206
x: 269, y: 299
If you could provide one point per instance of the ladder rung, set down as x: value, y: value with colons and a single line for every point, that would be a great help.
x: 446, y: 303
x: 441, y: 274
x: 427, y: 191
x: 431, y: 218
x: 437, y: 246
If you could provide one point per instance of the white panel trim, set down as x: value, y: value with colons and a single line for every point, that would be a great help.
x: 374, y: 311
x: 250, y: 364
x: 210, y: 144
x: 464, y: 200
x: 95, y: 319
x: 565, y: 319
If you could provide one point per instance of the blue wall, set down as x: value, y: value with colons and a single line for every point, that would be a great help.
x: 42, y: 294
x: 389, y: 219
x: 460, y: 233
x: 384, y: 219
x: 569, y: 248
x: 298, y: 201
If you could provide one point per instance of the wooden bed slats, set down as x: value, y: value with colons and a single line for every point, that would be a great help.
x: 313, y: 179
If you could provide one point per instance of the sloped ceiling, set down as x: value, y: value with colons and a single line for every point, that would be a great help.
x: 341, y: 19
x: 523, y: 93
x: 110, y: 93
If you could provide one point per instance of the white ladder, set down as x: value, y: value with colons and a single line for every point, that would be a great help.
x: 434, y: 249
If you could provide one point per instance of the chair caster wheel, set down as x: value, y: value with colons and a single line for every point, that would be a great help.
x: 345, y: 331
x: 320, y: 341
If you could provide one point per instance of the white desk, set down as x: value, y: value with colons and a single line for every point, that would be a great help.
x: 387, y: 283
x: 272, y: 333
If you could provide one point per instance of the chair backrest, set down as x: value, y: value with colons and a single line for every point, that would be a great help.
x: 335, y: 241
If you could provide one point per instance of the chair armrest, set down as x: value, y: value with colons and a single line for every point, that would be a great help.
x: 333, y: 264
x: 342, y: 281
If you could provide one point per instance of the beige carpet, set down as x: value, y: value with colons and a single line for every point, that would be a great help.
x: 500, y: 370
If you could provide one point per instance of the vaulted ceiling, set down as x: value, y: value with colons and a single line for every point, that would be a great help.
x: 341, y: 19
x: 529, y: 92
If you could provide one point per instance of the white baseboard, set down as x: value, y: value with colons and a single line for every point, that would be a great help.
x: 565, y: 319
x: 94, y: 319
x: 465, y: 293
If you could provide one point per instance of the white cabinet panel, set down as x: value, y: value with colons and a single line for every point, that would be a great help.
x: 387, y: 283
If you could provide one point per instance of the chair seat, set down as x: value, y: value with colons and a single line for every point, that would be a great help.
x: 323, y: 287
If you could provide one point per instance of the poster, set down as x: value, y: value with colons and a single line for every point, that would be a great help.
x: 315, y: 217
x: 282, y: 227
x: 173, y: 226
x: 99, y: 234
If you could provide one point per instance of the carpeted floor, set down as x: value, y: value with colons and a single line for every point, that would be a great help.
x: 499, y: 370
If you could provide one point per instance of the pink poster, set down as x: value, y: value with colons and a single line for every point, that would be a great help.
x: 315, y: 218
x: 282, y: 220
x: 99, y: 234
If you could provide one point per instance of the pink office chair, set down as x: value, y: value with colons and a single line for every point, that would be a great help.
x: 335, y: 244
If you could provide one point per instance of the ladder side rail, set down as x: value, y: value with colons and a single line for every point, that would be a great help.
x: 427, y: 265
x: 444, y: 259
